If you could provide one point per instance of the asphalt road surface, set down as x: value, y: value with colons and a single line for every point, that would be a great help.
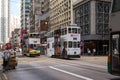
x: 44, y: 68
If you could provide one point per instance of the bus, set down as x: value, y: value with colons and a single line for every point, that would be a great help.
x: 33, y: 44
x: 114, y: 50
x: 64, y: 42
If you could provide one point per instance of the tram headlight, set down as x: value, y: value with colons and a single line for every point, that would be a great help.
x: 75, y: 52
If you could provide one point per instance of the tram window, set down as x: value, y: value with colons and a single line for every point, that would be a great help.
x: 62, y: 31
x: 48, y: 45
x: 34, y: 35
x: 31, y: 45
x: 78, y: 43
x: 70, y: 44
x: 69, y: 30
x: 74, y: 44
x: 65, y: 44
x: 78, y: 31
x: 52, y: 45
x: 74, y: 30
x: 65, y: 31
x: 30, y: 35
x: 52, y: 34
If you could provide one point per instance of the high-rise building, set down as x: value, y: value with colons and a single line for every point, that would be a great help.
x: 35, y: 13
x: 25, y: 10
x: 4, y: 20
x: 93, y: 18
x: 61, y: 13
x: 14, y: 23
x: 15, y: 39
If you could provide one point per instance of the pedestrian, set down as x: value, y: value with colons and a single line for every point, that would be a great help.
x: 20, y: 50
x: 5, y: 60
x: 116, y: 51
x: 15, y: 51
x: 94, y: 51
x: 88, y: 51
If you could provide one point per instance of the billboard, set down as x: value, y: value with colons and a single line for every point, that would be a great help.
x: 34, y: 40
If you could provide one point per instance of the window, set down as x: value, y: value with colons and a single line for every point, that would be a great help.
x: 78, y: 31
x: 65, y: 44
x: 102, y: 17
x: 75, y: 45
x: 70, y: 44
x: 106, y: 18
x: 100, y: 6
x: 69, y: 30
x: 116, y: 6
x: 77, y: 13
x: 52, y: 45
x: 62, y: 31
x: 48, y: 45
x: 99, y: 29
x: 78, y: 43
x: 74, y: 30
x: 106, y: 7
x: 65, y: 30
x: 115, y: 43
x: 84, y: 19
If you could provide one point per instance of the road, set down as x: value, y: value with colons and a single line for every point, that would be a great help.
x: 45, y: 68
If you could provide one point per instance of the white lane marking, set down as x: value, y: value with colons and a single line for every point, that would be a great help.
x: 73, y: 74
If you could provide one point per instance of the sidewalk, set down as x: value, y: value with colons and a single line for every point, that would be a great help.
x: 91, y: 58
x: 94, y: 58
x: 101, y: 60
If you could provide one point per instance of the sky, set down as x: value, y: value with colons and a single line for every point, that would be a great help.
x: 15, y: 7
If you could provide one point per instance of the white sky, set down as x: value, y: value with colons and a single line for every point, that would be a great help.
x: 15, y: 7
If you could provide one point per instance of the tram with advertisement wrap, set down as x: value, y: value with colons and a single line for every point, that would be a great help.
x: 64, y: 42
x: 33, y: 44
x: 114, y: 50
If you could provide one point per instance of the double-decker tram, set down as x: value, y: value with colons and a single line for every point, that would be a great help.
x: 64, y: 42
x: 114, y: 53
x: 33, y: 44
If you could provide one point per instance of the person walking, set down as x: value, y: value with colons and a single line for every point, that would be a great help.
x: 88, y: 51
x: 5, y: 60
x: 94, y: 51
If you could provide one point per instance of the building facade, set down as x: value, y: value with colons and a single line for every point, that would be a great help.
x: 93, y: 18
x: 25, y: 10
x: 61, y: 13
x: 35, y: 13
x: 15, y: 40
x: 4, y: 20
x: 39, y: 19
x: 14, y: 23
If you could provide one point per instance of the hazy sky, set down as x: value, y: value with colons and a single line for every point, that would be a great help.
x: 15, y: 7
